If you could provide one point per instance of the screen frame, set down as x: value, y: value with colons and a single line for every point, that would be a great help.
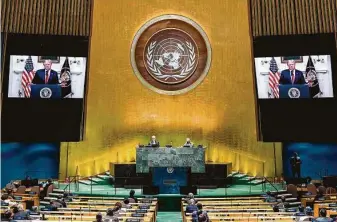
x: 296, y: 45
x: 44, y: 45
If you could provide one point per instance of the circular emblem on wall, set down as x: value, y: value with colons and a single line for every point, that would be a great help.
x: 170, y: 169
x: 45, y: 93
x: 171, y: 54
x: 294, y: 93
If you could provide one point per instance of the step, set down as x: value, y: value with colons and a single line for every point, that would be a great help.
x: 233, y: 173
x: 50, y: 198
x: 58, y: 191
x: 103, y: 177
x: 256, y: 182
x: 86, y: 182
x: 58, y: 195
x: 96, y: 179
x: 248, y: 178
x: 44, y: 202
x: 240, y: 175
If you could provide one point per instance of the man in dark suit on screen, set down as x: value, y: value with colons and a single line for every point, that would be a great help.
x: 291, y: 75
x: 46, y: 75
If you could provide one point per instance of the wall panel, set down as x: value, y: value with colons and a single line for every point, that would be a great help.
x: 293, y: 17
x: 58, y: 17
x: 219, y: 113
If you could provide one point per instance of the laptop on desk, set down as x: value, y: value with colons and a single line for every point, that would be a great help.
x: 45, y: 91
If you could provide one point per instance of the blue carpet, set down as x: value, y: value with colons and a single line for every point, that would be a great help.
x: 169, y: 217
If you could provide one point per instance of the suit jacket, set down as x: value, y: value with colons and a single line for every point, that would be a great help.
x: 40, y: 75
x: 285, y: 77
x: 295, y: 161
x: 156, y: 143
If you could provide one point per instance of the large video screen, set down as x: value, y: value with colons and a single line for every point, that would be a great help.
x: 284, y: 77
x: 51, y: 77
x: 295, y: 84
x: 44, y: 88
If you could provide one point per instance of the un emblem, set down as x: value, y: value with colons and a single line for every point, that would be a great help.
x: 45, y: 93
x: 170, y: 170
x: 171, y: 54
x: 294, y: 93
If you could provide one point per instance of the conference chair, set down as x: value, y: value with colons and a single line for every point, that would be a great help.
x: 312, y: 189
x: 322, y: 189
x: 50, y: 190
x: 292, y: 189
x: 36, y: 189
x: 330, y: 190
x: 21, y: 190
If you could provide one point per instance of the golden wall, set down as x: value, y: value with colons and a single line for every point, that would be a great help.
x: 121, y: 112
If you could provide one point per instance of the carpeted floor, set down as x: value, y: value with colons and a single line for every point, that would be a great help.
x: 169, y: 217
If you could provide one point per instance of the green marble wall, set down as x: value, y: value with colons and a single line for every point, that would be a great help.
x: 170, y: 157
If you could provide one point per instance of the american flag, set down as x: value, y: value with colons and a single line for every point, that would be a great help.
x: 27, y: 76
x: 274, y: 77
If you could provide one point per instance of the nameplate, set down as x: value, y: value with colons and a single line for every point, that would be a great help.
x: 17, y: 198
x: 137, y: 215
x: 141, y: 211
x: 291, y: 210
x: 333, y: 205
x: 4, y: 204
x: 169, y: 182
x: 146, y: 201
x: 32, y: 193
x: 45, y: 209
x: 144, y: 207
x: 133, y: 220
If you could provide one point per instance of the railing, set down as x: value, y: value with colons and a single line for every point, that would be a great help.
x: 73, y: 180
x: 266, y: 180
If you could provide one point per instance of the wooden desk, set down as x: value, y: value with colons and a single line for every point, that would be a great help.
x: 229, y: 198
x: 75, y: 215
x: 302, y: 189
x: 311, y: 199
x: 244, y: 219
x: 24, y: 197
x: 320, y: 205
x: 89, y: 218
x: 331, y: 213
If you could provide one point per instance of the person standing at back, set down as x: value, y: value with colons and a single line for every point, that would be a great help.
x: 295, y: 163
x: 132, y: 198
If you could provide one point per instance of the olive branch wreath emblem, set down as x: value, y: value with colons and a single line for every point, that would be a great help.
x: 156, y: 71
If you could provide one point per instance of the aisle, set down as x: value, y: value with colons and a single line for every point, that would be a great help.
x: 169, y: 217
